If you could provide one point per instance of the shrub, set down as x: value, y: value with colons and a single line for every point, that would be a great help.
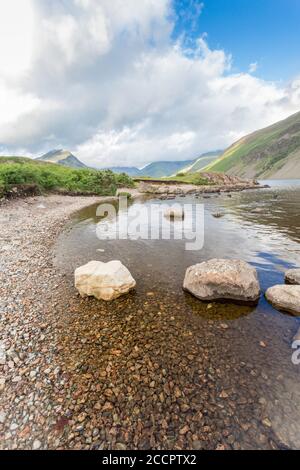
x: 59, y: 178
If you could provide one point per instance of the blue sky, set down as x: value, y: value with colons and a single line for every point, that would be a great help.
x: 262, y: 31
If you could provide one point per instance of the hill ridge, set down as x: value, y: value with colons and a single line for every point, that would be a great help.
x: 271, y: 152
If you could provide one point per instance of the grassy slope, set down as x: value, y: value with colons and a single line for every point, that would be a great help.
x: 263, y: 152
x: 21, y: 171
x: 161, y: 169
x: 201, y: 162
x: 193, y: 178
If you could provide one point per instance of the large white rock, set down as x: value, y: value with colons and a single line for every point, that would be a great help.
x: 292, y: 276
x: 105, y: 281
x: 285, y: 298
x: 223, y: 279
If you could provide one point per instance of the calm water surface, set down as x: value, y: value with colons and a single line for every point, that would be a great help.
x: 258, y: 338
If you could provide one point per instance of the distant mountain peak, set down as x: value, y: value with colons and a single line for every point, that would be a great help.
x: 62, y: 157
x: 168, y: 168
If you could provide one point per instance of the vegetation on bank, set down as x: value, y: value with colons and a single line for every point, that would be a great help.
x: 187, y: 178
x: 19, y: 173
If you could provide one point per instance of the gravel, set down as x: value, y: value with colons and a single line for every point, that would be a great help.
x: 133, y: 374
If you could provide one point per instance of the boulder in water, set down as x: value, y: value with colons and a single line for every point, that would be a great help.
x: 223, y: 279
x: 285, y: 298
x: 174, y: 213
x: 105, y: 281
x: 292, y: 276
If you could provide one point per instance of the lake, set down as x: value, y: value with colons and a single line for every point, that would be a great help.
x: 228, y: 369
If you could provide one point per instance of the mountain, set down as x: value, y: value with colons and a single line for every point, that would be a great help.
x: 273, y: 152
x: 130, y: 170
x: 63, y: 157
x: 159, y: 169
x: 202, y: 162
x: 154, y: 170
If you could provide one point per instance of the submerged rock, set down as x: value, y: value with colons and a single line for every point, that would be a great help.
x: 223, y: 279
x: 105, y: 281
x: 285, y: 298
x: 293, y: 276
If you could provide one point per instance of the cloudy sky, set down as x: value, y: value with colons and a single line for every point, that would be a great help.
x: 129, y: 82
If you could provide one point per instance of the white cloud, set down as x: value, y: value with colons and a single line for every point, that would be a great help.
x: 253, y: 67
x: 16, y: 37
x: 104, y: 79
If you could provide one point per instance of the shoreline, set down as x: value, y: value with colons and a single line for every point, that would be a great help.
x: 82, y: 374
x: 28, y: 301
x: 190, y: 189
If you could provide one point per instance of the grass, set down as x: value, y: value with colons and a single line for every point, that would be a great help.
x: 19, y: 172
x: 187, y: 178
x: 266, y: 149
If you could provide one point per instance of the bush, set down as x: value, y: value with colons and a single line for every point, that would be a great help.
x: 123, y: 180
x: 58, y: 178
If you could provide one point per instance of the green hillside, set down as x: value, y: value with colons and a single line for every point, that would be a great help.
x: 273, y: 152
x: 20, y: 175
x: 202, y: 162
x: 160, y: 169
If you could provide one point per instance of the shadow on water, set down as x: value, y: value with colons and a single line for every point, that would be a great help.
x: 217, y: 311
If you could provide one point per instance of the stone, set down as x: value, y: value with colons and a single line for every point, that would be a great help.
x: 120, y: 446
x: 197, y: 445
x: 16, y: 379
x: 184, y: 430
x: 2, y: 417
x: 2, y: 354
x: 266, y: 422
x: 36, y: 445
x: 292, y: 276
x: 105, y: 281
x: 285, y: 298
x: 2, y: 383
x: 223, y: 279
x: 174, y: 213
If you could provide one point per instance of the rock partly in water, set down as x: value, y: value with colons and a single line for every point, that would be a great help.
x: 292, y: 276
x: 105, y: 281
x: 223, y: 279
x: 174, y: 213
x: 285, y: 298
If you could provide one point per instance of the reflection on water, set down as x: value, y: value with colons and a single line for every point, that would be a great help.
x: 261, y: 227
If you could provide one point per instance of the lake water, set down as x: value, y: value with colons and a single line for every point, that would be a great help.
x: 233, y: 363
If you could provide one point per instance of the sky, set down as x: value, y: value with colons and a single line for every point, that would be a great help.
x: 127, y: 83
